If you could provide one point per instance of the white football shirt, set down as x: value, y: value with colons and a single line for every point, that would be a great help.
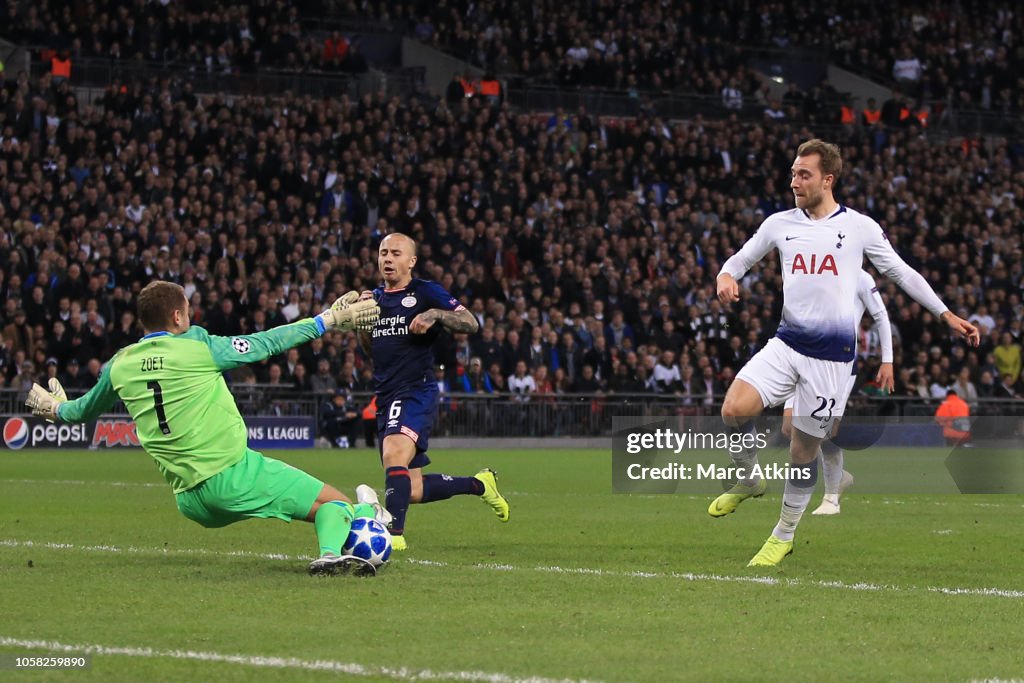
x: 821, y: 265
x: 870, y: 300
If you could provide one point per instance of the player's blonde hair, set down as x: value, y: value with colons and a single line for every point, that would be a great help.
x: 157, y: 303
x: 831, y: 157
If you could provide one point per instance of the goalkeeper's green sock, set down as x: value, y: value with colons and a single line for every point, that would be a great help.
x: 333, y: 521
x: 365, y: 510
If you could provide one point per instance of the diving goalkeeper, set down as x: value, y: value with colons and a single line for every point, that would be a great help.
x: 172, y: 384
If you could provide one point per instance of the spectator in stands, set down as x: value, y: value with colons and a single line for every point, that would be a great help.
x: 985, y: 322
x: 1006, y: 388
x: 497, y: 380
x: 323, y: 381
x: 301, y: 381
x: 618, y: 331
x: 569, y: 356
x: 487, y: 348
x: 965, y: 389
x: 774, y: 112
x: 623, y: 381
x: 709, y: 389
x: 689, y: 390
x: 521, y: 383
x: 89, y: 375
x: 70, y: 379
x: 793, y: 101
x: 894, y: 110
x: 20, y: 333
x: 668, y: 337
x: 587, y: 382
x: 732, y: 96
x: 475, y: 381
x: 1008, y: 358
x: 666, y: 377
x: 940, y: 381
x: 987, y: 387
x: 347, y: 380
x: 339, y: 421
x: 907, y: 70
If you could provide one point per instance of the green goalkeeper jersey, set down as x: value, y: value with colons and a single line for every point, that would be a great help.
x: 174, y: 389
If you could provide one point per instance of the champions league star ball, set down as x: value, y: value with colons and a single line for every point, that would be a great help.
x: 368, y: 540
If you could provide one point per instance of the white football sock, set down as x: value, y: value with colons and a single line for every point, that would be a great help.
x: 831, y: 466
x: 795, y: 499
x: 746, y: 459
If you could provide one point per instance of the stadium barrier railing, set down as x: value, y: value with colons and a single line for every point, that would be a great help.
x: 543, y: 415
x: 346, y: 23
x: 538, y: 97
x: 102, y: 73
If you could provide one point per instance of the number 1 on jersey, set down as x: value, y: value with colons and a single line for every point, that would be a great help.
x: 158, y: 400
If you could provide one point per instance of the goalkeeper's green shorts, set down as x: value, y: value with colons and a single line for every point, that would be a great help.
x: 255, y: 486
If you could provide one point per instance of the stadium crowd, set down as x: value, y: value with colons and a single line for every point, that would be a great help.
x: 969, y: 54
x: 221, y: 37
x: 941, y: 52
x: 938, y: 59
x: 966, y: 54
x: 588, y: 248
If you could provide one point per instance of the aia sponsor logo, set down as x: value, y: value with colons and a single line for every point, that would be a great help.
x: 814, y: 265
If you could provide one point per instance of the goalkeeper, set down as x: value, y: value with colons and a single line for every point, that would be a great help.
x: 172, y: 384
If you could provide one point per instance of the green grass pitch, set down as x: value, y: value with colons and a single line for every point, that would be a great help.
x: 581, y: 584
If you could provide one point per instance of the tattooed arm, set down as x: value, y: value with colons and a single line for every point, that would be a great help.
x: 454, y: 321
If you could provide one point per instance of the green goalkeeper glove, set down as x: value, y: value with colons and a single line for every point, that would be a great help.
x: 348, y: 313
x: 44, y: 403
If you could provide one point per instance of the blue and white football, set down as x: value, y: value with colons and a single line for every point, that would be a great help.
x: 368, y: 540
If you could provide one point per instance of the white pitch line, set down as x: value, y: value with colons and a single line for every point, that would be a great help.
x: 684, y: 576
x: 863, y: 500
x: 331, y: 666
x: 82, y: 482
x: 860, y: 500
x: 130, y: 550
x: 998, y: 592
x: 549, y: 569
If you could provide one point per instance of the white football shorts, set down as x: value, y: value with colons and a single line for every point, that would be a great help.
x: 849, y: 390
x: 819, y: 388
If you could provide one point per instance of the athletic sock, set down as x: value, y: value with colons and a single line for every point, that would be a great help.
x: 397, y: 491
x: 443, y: 486
x: 365, y: 510
x: 333, y: 521
x: 832, y: 466
x: 796, y: 496
x: 747, y: 457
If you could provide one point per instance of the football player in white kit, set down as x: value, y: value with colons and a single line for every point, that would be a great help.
x: 822, y: 245
x: 830, y: 454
